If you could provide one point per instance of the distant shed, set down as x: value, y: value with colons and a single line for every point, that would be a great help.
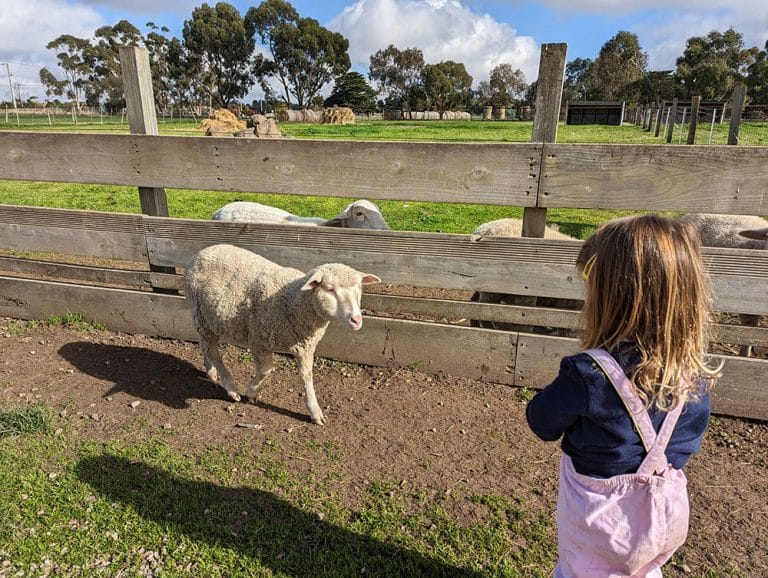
x: 594, y: 112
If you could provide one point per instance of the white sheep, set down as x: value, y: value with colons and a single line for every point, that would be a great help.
x: 512, y: 227
x: 736, y: 232
x: 360, y: 214
x: 241, y: 298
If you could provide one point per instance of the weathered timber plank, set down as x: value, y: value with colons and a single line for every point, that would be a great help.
x: 463, y: 351
x: 741, y: 391
x: 89, y: 233
x: 485, y: 173
x: 696, y: 178
x: 119, y: 309
x: 498, y: 356
x: 452, y: 312
x: 484, y: 355
x: 521, y: 266
x: 88, y: 274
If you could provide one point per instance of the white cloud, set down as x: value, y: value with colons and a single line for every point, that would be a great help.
x: 441, y: 29
x: 26, y: 27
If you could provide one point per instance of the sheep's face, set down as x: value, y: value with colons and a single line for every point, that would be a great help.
x: 359, y: 215
x: 338, y: 291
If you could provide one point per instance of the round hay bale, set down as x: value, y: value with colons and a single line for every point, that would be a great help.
x: 487, y: 112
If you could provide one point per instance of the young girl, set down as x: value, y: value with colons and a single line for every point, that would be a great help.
x: 633, y: 407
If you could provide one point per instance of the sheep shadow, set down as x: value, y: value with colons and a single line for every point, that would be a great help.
x: 133, y: 370
x: 254, y: 523
x: 142, y: 373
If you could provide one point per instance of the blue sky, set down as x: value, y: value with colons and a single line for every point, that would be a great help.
x: 479, y: 33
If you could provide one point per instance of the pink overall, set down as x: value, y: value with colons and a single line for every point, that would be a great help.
x: 628, y: 525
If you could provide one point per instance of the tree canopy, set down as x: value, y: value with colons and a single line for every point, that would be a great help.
x: 221, y: 43
x: 447, y: 86
x: 305, y: 55
x: 353, y: 91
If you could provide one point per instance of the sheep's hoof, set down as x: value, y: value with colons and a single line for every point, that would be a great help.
x: 213, y: 375
x: 233, y: 395
x: 319, y: 420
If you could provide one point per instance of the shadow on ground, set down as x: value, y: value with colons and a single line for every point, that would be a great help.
x: 254, y: 523
x: 142, y: 373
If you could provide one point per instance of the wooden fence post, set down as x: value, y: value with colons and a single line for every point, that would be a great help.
x: 140, y: 102
x: 549, y: 92
x: 657, y: 129
x: 739, y: 94
x: 695, y: 103
x: 671, y: 120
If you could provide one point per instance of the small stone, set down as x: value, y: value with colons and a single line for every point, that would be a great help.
x: 109, y: 398
x: 167, y: 425
x: 135, y: 404
x: 462, y: 431
x: 95, y: 417
x: 433, y: 430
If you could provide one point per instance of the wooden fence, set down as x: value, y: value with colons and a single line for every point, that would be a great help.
x: 132, y: 294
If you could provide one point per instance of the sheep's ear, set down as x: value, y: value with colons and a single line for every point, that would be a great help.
x: 758, y: 234
x: 335, y: 222
x: 313, y: 282
x: 369, y: 279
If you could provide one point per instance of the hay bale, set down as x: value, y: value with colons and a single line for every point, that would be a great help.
x: 338, y: 115
x: 223, y: 122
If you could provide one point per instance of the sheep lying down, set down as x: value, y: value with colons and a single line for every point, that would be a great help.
x: 361, y: 214
x: 241, y: 298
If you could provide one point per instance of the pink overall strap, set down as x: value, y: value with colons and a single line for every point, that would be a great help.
x: 655, y: 446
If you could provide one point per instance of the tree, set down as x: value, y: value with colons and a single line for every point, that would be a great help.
x: 711, y: 65
x: 447, y: 85
x: 352, y: 90
x: 75, y: 56
x: 221, y: 43
x: 504, y: 86
x: 397, y: 74
x: 575, y: 83
x: 305, y: 55
x: 757, y: 78
x: 657, y: 86
x: 106, y: 77
x: 620, y: 64
x: 53, y: 86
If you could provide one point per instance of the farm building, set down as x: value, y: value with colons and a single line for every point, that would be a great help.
x: 595, y: 112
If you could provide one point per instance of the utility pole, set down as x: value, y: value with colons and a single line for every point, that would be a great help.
x: 13, y: 95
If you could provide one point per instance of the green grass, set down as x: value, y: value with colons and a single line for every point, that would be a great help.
x: 87, y: 508
x: 25, y: 419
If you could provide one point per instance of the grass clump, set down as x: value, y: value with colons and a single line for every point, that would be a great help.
x: 25, y: 419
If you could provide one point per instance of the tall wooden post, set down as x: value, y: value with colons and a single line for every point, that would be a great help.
x: 737, y: 108
x: 140, y: 102
x: 671, y: 120
x: 695, y: 104
x: 549, y: 92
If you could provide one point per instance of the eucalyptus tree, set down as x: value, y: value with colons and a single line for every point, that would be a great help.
x: 711, y: 65
x: 305, y: 56
x: 220, y: 43
x: 447, y: 85
x: 397, y: 75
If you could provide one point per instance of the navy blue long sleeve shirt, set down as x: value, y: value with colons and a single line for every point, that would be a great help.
x: 582, y: 406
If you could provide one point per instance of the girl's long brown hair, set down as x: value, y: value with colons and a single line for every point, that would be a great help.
x: 646, y: 284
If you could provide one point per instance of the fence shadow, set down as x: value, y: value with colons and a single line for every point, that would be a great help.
x: 254, y: 523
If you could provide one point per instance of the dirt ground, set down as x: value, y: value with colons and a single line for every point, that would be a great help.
x: 420, y: 430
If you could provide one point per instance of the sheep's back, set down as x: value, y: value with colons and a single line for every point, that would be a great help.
x: 723, y: 230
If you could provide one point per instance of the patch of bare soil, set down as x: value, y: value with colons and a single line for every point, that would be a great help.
x: 422, y: 431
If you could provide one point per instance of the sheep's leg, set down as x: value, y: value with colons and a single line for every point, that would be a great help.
x: 749, y: 321
x: 214, y: 365
x: 304, y: 361
x: 264, y: 366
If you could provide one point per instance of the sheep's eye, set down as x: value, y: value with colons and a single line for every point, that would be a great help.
x: 358, y: 214
x: 332, y: 289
